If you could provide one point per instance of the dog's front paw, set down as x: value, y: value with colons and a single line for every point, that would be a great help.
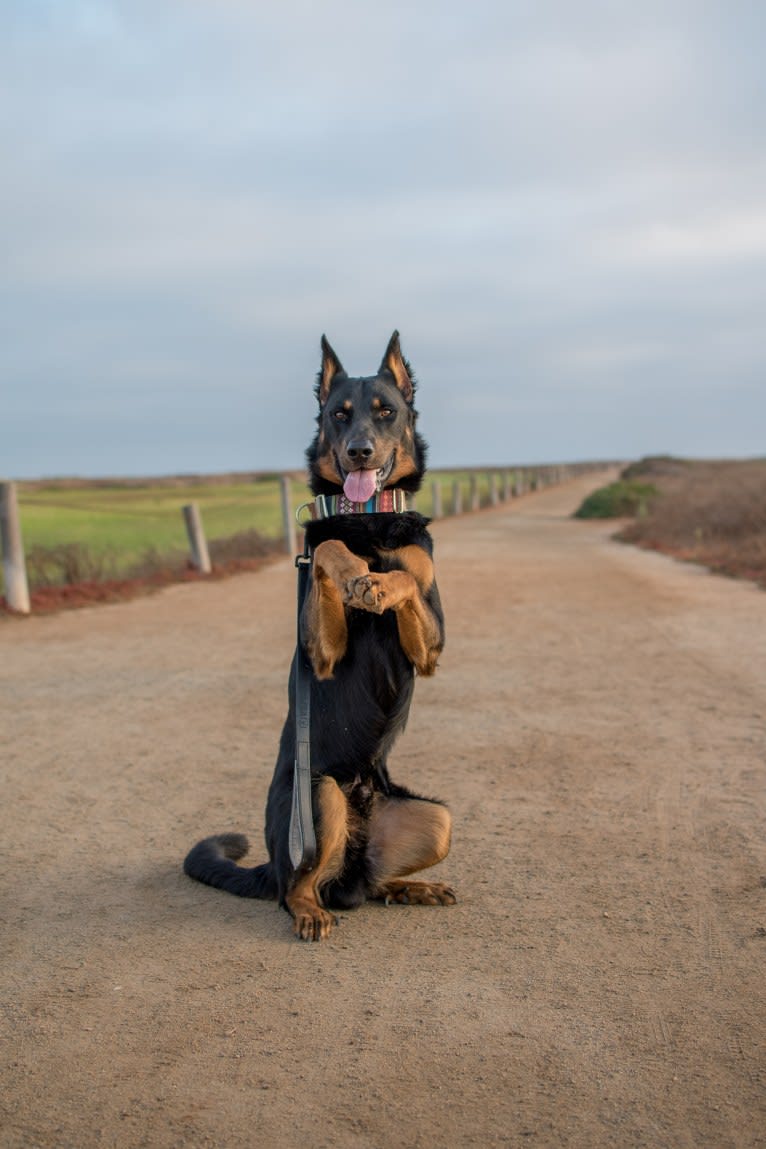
x: 313, y: 924
x: 365, y: 593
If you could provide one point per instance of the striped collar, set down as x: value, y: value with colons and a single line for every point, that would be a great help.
x: 391, y: 501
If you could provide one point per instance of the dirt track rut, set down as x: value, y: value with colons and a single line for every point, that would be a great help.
x: 597, y: 725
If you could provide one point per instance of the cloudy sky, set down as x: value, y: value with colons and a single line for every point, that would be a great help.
x: 561, y: 206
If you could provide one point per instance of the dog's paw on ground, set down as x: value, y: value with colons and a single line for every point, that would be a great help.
x: 314, y: 924
x: 418, y: 893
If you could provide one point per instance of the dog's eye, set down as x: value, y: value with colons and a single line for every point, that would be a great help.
x: 340, y: 415
x: 385, y: 412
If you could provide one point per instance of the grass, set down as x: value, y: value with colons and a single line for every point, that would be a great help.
x: 94, y: 532
x: 129, y: 521
x: 711, y: 512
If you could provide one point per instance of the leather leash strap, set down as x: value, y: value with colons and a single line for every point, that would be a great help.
x: 302, y: 839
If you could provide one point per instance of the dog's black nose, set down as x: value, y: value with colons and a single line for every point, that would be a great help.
x: 360, y: 449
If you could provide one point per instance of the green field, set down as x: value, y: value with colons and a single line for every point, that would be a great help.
x: 132, y: 520
x: 119, y: 526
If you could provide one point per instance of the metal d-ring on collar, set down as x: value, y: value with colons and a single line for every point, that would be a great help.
x: 302, y: 839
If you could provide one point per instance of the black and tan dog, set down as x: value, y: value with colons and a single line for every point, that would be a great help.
x: 372, y: 619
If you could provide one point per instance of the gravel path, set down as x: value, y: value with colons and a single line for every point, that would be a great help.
x: 597, y: 726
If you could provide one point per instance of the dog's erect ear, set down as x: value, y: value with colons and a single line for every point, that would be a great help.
x: 331, y: 366
x: 397, y: 365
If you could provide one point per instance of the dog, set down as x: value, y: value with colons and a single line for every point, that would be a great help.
x: 371, y: 620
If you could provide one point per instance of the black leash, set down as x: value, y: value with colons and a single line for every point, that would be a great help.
x: 303, y: 843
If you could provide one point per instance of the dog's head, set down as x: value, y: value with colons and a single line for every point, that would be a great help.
x: 366, y: 438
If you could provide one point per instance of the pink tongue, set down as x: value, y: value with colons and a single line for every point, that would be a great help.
x: 360, y: 486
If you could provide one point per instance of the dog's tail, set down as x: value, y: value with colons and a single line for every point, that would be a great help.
x: 214, y: 862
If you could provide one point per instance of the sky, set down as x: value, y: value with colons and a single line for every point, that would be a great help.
x: 561, y: 207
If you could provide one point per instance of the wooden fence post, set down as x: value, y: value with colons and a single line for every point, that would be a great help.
x: 507, y: 487
x: 14, y: 564
x: 197, y: 541
x: 288, y: 518
x: 475, y: 497
x: 494, y: 493
x: 457, y: 498
x: 436, y: 507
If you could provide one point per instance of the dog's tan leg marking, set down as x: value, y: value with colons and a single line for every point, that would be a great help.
x: 324, y: 627
x: 418, y: 562
x: 419, y: 632
x: 406, y: 835
x: 324, y: 619
x: 334, y: 561
x: 312, y: 921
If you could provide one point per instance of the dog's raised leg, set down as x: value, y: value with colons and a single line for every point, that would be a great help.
x: 324, y: 628
x: 407, y: 835
x: 404, y: 591
x: 312, y: 921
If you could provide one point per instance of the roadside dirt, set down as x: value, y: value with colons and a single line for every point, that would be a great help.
x: 597, y: 725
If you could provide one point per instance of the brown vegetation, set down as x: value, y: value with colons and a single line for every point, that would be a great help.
x: 71, y: 576
x: 709, y: 512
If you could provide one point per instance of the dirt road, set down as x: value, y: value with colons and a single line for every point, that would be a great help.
x: 597, y: 725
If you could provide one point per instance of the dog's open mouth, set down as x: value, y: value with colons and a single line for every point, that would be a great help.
x: 361, y: 485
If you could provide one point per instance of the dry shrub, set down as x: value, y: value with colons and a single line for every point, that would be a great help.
x: 243, y: 545
x: 710, y: 512
x: 67, y: 565
x: 73, y: 576
x: 155, y: 563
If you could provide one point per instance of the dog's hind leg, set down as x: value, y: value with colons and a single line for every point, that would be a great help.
x: 312, y: 921
x: 407, y: 835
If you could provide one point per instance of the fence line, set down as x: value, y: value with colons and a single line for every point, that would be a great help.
x: 499, y: 485
x: 503, y: 484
